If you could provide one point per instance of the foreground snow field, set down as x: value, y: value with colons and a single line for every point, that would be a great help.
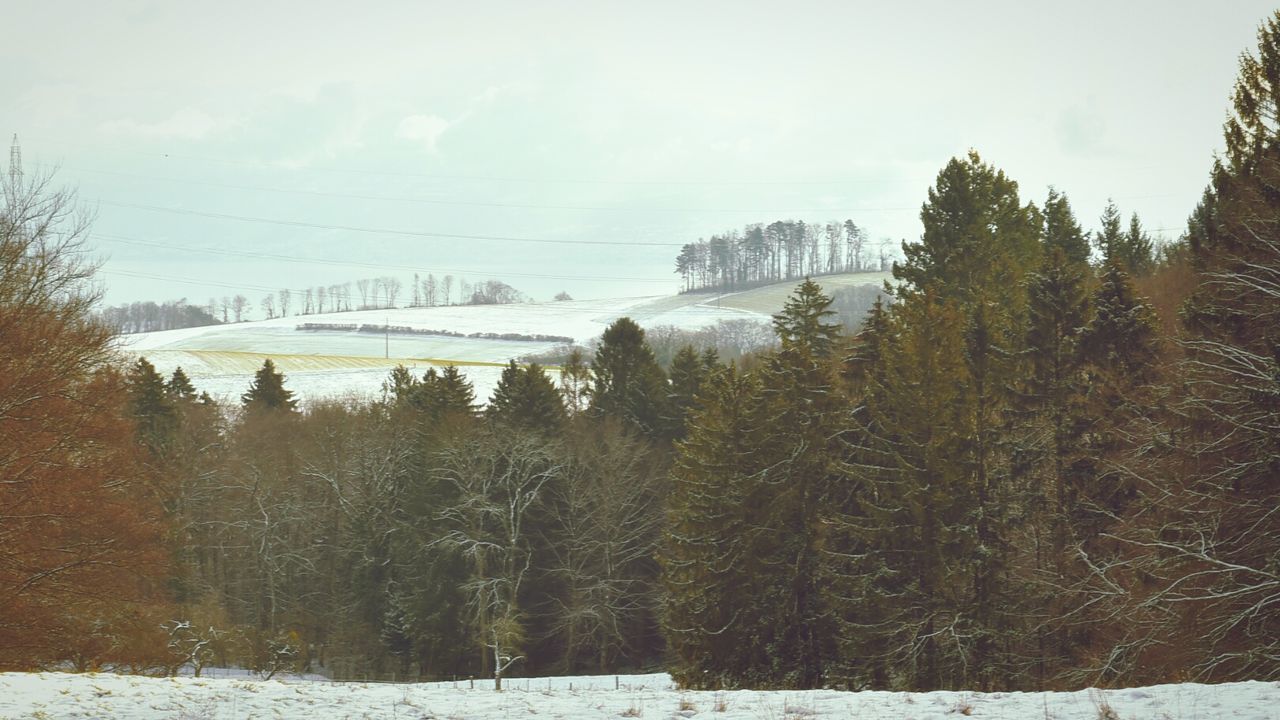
x: 60, y: 695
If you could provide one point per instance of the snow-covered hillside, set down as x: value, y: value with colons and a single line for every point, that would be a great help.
x: 58, y: 695
x: 221, y: 359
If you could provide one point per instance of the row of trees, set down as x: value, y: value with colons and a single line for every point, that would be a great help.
x: 781, y: 250
x: 377, y: 293
x: 151, y: 316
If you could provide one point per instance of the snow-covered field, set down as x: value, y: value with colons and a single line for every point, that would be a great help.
x: 59, y: 695
x: 221, y: 359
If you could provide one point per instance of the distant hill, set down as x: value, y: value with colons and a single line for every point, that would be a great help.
x: 221, y: 359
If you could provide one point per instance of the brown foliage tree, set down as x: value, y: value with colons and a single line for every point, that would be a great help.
x: 79, y: 538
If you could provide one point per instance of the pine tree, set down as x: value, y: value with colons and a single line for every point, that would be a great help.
x: 1118, y: 352
x: 915, y: 531
x: 800, y: 325
x: 690, y: 371
x: 713, y: 629
x: 1049, y: 419
x: 1139, y: 252
x: 526, y: 397
x: 978, y: 237
x: 443, y: 395
x: 1110, y: 236
x: 1120, y: 339
x: 150, y: 406
x: 1061, y: 231
x: 626, y: 381
x: 979, y: 244
x: 267, y: 392
x: 575, y: 379
x: 179, y: 386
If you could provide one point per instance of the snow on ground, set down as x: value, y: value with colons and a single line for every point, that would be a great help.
x: 221, y: 359
x: 60, y: 695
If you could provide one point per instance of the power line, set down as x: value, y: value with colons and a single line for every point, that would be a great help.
x: 360, y: 263
x: 483, y: 203
x: 382, y: 231
x: 484, y: 178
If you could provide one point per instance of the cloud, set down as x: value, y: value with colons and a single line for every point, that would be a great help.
x: 425, y: 129
x: 185, y: 124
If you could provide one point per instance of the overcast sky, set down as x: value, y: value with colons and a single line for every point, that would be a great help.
x: 639, y: 126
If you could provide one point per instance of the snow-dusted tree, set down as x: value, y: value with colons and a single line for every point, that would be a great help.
x: 497, y: 480
x: 392, y: 286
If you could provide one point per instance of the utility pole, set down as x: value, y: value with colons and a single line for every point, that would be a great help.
x: 15, y: 161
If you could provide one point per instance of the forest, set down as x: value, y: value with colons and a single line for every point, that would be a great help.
x: 1050, y: 460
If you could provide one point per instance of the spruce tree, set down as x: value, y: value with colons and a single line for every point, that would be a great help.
x: 690, y: 371
x: 1050, y: 400
x: 1120, y: 339
x: 801, y: 324
x: 978, y: 237
x: 151, y: 406
x: 1061, y: 231
x: 715, y: 631
x: 443, y: 395
x: 179, y: 385
x: 1118, y: 352
x: 1109, y: 239
x: 267, y: 392
x: 627, y: 383
x: 526, y: 397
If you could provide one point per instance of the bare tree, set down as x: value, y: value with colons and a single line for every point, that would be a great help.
x: 609, y: 516
x: 285, y: 297
x: 322, y: 294
x: 446, y: 285
x: 239, y: 304
x: 363, y: 286
x: 393, y: 285
x: 498, y: 478
x: 269, y: 306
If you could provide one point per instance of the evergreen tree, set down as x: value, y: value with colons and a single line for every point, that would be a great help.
x: 1061, y: 231
x: 714, y: 630
x: 267, y: 392
x: 1120, y: 339
x: 1118, y: 351
x: 575, y: 379
x: 443, y: 395
x: 150, y: 406
x: 179, y: 386
x: 1050, y: 401
x: 913, y: 578
x: 1110, y: 236
x: 1139, y: 252
x: 690, y: 371
x: 978, y: 237
x: 801, y: 325
x: 526, y: 397
x: 626, y: 381
x: 1208, y: 472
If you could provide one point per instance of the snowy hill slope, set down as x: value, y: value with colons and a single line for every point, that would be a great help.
x: 221, y: 359
x: 58, y: 695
